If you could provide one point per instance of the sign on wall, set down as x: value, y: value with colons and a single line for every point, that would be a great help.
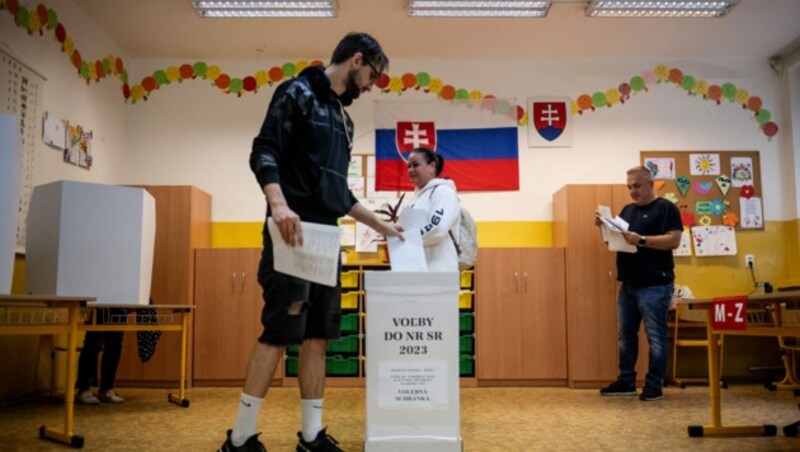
x: 549, y: 122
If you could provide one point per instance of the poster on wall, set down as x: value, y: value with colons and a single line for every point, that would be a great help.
x: 704, y: 164
x: 741, y: 171
x: 714, y: 241
x: 685, y: 247
x: 79, y: 147
x: 661, y: 168
x: 751, y: 215
x: 21, y: 90
x: 54, y: 133
x: 549, y: 122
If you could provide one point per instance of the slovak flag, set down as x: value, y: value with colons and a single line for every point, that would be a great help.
x: 479, y: 146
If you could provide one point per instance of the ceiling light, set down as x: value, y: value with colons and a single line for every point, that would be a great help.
x: 659, y: 8
x: 276, y: 8
x: 478, y: 8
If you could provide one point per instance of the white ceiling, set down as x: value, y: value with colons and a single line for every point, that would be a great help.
x: 170, y: 29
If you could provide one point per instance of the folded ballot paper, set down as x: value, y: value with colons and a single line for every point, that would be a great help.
x: 316, y: 260
x: 611, y: 229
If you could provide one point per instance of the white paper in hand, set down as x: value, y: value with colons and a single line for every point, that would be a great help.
x: 316, y: 261
x: 408, y: 255
x: 611, y: 229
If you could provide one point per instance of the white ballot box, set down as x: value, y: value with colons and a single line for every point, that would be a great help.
x: 412, y: 362
x: 91, y: 240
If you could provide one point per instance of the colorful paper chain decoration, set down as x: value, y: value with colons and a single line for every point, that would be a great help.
x: 92, y: 71
x: 688, y: 83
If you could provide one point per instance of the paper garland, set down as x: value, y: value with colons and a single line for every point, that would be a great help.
x: 42, y: 18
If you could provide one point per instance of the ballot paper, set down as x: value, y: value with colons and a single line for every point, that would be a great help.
x: 611, y: 229
x: 316, y: 260
x: 408, y: 255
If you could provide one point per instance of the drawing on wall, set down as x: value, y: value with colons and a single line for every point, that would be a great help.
x: 683, y: 184
x: 714, y: 240
x: 752, y: 216
x: 54, y: 133
x: 79, y: 147
x: 741, y: 171
x: 704, y: 164
x: 685, y: 247
x: 724, y: 184
x: 662, y: 168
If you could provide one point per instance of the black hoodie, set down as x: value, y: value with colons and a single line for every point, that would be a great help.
x: 304, y: 145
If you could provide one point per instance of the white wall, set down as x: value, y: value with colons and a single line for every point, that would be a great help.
x: 194, y: 134
x: 98, y: 107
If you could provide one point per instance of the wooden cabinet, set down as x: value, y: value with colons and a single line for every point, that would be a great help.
x: 227, y: 319
x: 183, y: 223
x: 520, y: 316
x: 591, y: 286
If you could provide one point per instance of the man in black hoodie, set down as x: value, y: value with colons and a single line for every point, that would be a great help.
x: 300, y: 159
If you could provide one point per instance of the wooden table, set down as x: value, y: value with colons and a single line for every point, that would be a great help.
x: 53, y: 326
x: 27, y: 321
x: 777, y: 327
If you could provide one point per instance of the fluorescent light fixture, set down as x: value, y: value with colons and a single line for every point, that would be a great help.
x: 478, y: 8
x: 659, y: 8
x: 276, y: 8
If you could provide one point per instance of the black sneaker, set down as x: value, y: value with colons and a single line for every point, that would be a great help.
x: 251, y: 445
x: 650, y: 393
x: 323, y: 442
x: 619, y: 388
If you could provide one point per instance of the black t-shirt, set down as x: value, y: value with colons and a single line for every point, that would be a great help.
x: 648, y: 266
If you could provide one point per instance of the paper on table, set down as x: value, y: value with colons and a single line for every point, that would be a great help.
x: 408, y: 255
x: 611, y: 229
x: 316, y: 261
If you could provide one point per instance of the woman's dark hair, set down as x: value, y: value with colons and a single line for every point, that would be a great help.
x: 364, y: 43
x: 431, y: 157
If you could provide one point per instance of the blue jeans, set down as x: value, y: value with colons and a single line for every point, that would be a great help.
x: 634, y: 304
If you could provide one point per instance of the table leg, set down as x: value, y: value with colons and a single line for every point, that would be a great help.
x: 67, y: 436
x: 180, y: 399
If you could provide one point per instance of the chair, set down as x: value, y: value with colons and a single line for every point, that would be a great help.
x: 685, y: 317
x: 789, y: 315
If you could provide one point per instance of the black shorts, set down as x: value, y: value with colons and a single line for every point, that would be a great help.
x: 320, y: 317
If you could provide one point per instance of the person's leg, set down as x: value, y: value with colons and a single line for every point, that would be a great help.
x: 87, y: 363
x: 628, y: 320
x: 324, y: 323
x: 112, y: 350
x: 654, y: 306
x: 283, y: 318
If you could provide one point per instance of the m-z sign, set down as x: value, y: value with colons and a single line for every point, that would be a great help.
x: 729, y: 313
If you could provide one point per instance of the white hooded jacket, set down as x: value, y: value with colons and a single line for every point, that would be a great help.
x: 439, y: 199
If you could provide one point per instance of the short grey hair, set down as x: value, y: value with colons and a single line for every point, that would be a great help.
x: 643, y: 170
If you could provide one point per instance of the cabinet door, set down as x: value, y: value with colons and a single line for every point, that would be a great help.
x: 544, y: 346
x: 499, y: 326
x: 227, y: 315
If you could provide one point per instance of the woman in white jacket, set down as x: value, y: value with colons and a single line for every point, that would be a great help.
x: 439, y: 199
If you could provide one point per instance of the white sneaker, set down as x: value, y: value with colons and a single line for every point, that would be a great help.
x: 86, y: 397
x: 109, y: 397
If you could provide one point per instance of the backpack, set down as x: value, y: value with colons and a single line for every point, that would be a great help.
x: 467, y: 247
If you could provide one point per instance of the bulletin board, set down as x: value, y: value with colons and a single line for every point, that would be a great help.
x: 710, y: 187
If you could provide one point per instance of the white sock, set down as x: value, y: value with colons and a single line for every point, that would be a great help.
x: 312, y: 418
x: 245, y: 426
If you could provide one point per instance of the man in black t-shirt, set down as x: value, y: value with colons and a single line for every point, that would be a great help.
x: 647, y: 278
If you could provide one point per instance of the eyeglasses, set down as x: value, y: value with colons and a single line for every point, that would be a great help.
x: 374, y: 74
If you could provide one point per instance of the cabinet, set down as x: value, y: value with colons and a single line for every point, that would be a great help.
x: 520, y: 316
x: 183, y: 223
x: 591, y: 285
x: 227, y: 319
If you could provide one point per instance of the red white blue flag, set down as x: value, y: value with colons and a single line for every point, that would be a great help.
x: 479, y: 146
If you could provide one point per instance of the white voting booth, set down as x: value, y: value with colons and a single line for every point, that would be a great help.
x: 412, y: 362
x: 91, y: 239
x: 10, y: 173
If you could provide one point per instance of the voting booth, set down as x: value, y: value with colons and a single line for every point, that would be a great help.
x: 91, y: 239
x: 10, y: 171
x: 412, y: 365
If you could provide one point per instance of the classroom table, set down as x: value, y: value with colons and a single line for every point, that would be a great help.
x: 770, y: 321
x: 37, y: 315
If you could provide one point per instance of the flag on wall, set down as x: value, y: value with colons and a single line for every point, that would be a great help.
x: 479, y: 147
x: 549, y: 122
